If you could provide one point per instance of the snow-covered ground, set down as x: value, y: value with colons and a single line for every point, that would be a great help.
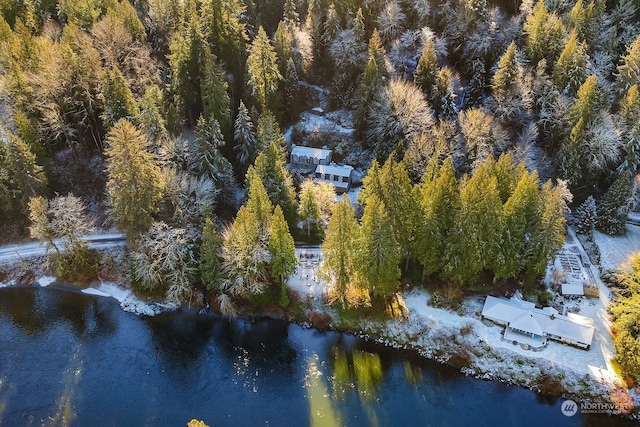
x: 438, y: 333
x: 614, y: 250
x: 128, y: 302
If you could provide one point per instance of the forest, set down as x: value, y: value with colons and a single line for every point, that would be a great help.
x: 478, y: 127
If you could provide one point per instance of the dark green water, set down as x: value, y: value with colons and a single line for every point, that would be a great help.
x: 73, y: 359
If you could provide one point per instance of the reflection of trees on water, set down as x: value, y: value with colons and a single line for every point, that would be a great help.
x: 34, y: 309
x: 180, y: 339
x: 358, y: 370
x: 261, y: 345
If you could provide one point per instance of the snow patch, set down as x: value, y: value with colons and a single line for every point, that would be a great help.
x: 614, y: 250
x: 128, y: 301
x: 45, y: 280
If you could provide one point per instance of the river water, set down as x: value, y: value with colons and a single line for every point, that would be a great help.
x: 73, y: 359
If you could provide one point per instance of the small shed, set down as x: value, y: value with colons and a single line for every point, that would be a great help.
x: 572, y: 289
x: 308, y: 158
x: 340, y: 176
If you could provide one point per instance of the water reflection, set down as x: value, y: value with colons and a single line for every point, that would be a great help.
x: 33, y: 309
x: 359, y: 370
x: 322, y: 411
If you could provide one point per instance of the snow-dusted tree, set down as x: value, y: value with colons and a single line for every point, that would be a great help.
x: 399, y: 114
x: 64, y: 218
x: 268, y: 131
x: 277, y: 181
x: 338, y: 248
x: 262, y: 67
x: 133, y: 179
x: 213, y: 90
x: 426, y: 75
x: 291, y: 91
x: 282, y: 251
x: 443, y: 101
x: 211, y: 256
x: 164, y: 261
x: 316, y: 204
x: 119, y: 99
x: 244, y: 137
x: 586, y: 217
x: 151, y: 119
x: 245, y: 256
x: 571, y: 69
x: 507, y: 87
x: 614, y: 206
x: 378, y: 252
x: 584, y: 20
x: 628, y: 72
x: 483, y: 137
x: 374, y: 76
x: 630, y: 117
x: 544, y: 35
x: 349, y: 58
x: 331, y: 26
x: 290, y: 15
x: 391, y: 20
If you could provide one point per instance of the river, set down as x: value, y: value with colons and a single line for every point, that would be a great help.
x: 72, y: 359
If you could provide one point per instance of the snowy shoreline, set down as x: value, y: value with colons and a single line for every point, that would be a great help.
x: 431, y: 333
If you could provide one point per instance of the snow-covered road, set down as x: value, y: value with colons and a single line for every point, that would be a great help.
x: 25, y: 250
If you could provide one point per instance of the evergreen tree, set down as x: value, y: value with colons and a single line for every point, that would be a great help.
x: 506, y: 86
x: 262, y: 67
x: 520, y: 216
x: 613, y: 209
x: 544, y: 35
x: 21, y: 178
x: 316, y: 203
x: 211, y: 256
x: 268, y: 131
x: 440, y: 203
x: 378, y: 251
x: 283, y: 45
x: 480, y: 226
x: 186, y: 62
x: 365, y: 94
x: 290, y: 15
x: 120, y: 103
x: 213, y: 90
x: 628, y: 72
x: 278, y: 183
x: 259, y: 207
x: 151, y: 118
x: 338, y: 248
x: 291, y: 91
x: 443, y: 101
x: 133, y: 179
x: 245, y: 256
x: 282, y: 250
x: 547, y: 236
x: 244, y: 137
x: 570, y: 71
x: 586, y: 217
x: 426, y: 75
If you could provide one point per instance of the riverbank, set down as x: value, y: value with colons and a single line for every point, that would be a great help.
x: 460, y: 339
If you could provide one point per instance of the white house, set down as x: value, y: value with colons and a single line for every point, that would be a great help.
x: 529, y: 325
x: 308, y: 157
x: 338, y: 176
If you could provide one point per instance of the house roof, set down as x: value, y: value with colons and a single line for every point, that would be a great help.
x: 522, y: 315
x: 320, y: 153
x: 336, y: 170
